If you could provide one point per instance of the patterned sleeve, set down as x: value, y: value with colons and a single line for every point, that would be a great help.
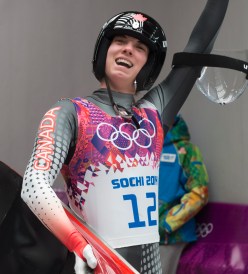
x: 55, y: 137
x: 196, y: 187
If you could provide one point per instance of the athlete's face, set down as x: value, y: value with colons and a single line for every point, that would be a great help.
x: 125, y: 58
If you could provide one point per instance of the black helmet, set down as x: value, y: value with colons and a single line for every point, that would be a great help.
x: 142, y: 27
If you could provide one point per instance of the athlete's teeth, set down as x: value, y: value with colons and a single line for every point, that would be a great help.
x: 125, y: 62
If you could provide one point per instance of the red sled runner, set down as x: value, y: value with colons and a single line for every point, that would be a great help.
x: 109, y: 261
x: 20, y: 255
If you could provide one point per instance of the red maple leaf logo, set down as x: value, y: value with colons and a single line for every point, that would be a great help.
x: 139, y: 17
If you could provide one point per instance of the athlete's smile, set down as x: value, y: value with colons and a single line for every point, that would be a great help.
x: 124, y: 62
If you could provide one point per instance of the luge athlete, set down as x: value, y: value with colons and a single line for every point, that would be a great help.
x: 108, y: 146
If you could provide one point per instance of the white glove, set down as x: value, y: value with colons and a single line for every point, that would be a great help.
x: 80, y: 266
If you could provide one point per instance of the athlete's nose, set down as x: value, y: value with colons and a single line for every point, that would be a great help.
x: 128, y: 48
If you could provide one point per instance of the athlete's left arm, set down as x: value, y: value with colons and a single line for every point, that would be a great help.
x: 171, y: 93
x: 196, y: 187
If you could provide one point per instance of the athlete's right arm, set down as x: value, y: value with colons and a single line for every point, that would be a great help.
x: 55, y: 136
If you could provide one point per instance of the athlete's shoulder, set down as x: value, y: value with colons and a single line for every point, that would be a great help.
x: 70, y: 104
x: 64, y: 109
x: 154, y: 98
x: 65, y: 102
x: 143, y: 103
x: 64, y: 105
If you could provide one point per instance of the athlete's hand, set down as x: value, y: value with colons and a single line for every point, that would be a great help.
x: 81, y: 267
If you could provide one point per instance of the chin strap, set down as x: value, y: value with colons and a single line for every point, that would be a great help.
x: 120, y: 110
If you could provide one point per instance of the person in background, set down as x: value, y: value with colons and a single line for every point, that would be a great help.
x: 183, y: 192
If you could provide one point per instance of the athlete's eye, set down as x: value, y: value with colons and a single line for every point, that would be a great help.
x: 119, y: 40
x: 142, y: 47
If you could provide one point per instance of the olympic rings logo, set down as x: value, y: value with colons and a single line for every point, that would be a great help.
x: 204, y: 229
x: 127, y: 134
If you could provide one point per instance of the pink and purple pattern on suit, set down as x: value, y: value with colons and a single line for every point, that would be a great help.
x: 107, y: 143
